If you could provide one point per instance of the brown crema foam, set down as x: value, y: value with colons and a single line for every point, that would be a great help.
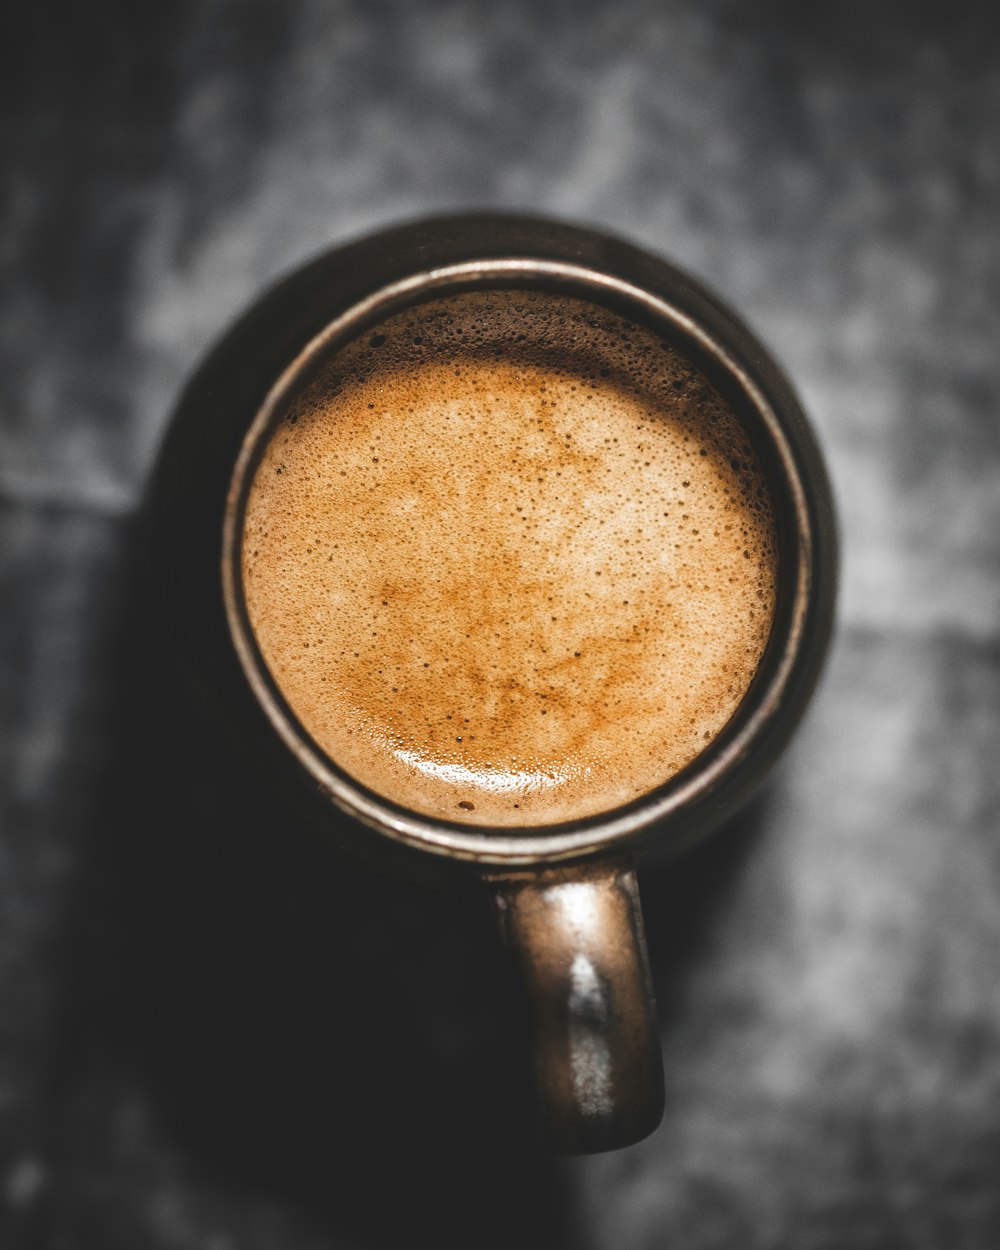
x: 510, y: 559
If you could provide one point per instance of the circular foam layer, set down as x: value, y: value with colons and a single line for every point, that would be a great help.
x: 510, y: 559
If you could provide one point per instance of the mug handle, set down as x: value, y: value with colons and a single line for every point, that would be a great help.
x: 577, y: 935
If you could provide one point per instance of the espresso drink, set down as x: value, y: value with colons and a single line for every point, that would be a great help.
x: 510, y: 559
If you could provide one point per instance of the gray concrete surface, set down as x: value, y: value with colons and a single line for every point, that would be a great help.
x: 195, y: 1052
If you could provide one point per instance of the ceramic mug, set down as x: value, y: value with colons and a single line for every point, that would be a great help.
x: 565, y: 895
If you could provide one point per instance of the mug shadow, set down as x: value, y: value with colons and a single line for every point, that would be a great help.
x: 315, y: 1030
x: 684, y: 899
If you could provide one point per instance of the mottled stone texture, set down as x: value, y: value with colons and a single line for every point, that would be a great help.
x: 207, y: 1042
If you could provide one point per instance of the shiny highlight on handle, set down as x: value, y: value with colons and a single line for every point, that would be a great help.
x: 577, y: 936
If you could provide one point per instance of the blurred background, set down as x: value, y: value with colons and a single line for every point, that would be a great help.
x: 207, y: 1044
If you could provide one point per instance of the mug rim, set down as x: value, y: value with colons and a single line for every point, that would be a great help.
x: 619, y: 828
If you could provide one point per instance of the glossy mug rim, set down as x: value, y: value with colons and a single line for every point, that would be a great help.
x: 620, y: 828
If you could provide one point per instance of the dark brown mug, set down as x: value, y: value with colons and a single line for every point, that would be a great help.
x: 565, y: 895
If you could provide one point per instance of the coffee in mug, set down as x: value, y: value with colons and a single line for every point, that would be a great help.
x: 510, y: 558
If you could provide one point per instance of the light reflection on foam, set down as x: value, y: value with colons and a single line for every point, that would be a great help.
x: 487, y: 780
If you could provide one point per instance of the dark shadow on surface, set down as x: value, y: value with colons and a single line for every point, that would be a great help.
x: 307, y: 1031
x: 684, y: 900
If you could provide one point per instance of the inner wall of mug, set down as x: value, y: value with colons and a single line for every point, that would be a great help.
x: 453, y: 836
